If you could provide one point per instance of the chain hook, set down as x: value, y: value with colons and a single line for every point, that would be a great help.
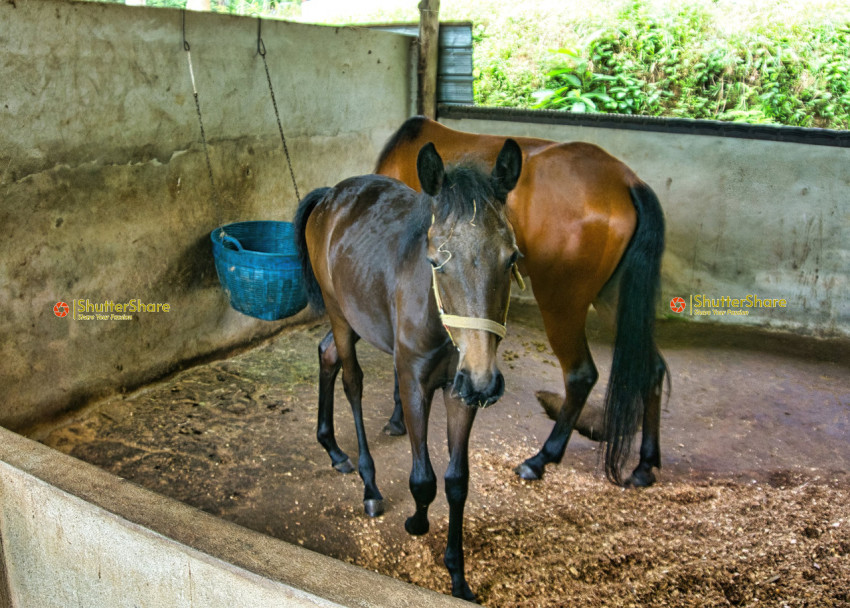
x: 261, y: 46
x: 185, y: 42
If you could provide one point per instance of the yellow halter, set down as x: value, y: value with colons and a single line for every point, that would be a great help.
x: 459, y: 322
x: 467, y: 322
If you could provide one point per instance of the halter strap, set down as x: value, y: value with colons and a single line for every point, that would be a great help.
x: 459, y: 322
x: 474, y: 323
x: 467, y: 322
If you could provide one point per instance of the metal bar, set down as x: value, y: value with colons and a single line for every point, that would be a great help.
x: 685, y: 126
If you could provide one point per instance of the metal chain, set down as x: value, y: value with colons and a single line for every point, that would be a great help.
x: 261, y: 49
x: 198, y: 109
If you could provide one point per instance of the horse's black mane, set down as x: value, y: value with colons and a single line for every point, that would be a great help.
x: 407, y: 132
x: 466, y: 190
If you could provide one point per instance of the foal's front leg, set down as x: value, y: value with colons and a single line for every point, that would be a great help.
x: 423, y: 482
x: 459, y: 420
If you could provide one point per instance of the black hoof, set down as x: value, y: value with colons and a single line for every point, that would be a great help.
x: 345, y: 466
x: 416, y: 528
x: 640, y: 479
x: 528, y: 473
x: 394, y: 429
x: 465, y: 593
x: 374, y: 507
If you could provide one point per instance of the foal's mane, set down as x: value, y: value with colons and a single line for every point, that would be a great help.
x: 466, y: 190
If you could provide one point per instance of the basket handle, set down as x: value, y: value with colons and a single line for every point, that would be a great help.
x: 233, y: 243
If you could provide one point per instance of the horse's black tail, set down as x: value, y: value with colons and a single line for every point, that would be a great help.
x: 636, y: 358
x: 311, y: 285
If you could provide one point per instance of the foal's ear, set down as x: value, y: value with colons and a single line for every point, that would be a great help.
x: 508, y: 167
x: 430, y: 168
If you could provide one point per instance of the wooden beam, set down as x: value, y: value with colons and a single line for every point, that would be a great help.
x: 429, y: 47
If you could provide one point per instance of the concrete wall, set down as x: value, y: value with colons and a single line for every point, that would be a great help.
x: 104, y: 189
x: 72, y: 535
x: 765, y: 218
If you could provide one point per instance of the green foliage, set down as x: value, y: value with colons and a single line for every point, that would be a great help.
x: 677, y: 66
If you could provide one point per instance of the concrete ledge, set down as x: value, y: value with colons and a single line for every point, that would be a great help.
x: 75, y: 535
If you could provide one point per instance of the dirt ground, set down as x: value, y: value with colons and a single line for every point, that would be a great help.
x: 751, y: 508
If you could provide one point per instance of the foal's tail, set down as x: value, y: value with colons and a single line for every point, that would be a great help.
x: 636, y: 364
x: 311, y: 285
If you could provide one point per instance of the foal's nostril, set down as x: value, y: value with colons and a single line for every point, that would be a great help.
x: 462, y: 386
x: 465, y: 389
x: 499, y: 388
x: 494, y: 391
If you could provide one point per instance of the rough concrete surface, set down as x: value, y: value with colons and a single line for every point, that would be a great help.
x: 105, y: 187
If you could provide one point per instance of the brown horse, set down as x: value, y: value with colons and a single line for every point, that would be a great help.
x: 410, y: 274
x: 591, y: 232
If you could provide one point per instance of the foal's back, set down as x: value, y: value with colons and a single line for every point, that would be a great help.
x: 364, y: 243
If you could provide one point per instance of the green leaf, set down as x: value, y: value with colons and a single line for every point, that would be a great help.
x: 588, y: 102
x: 573, y: 80
x: 597, y: 95
x: 570, y: 52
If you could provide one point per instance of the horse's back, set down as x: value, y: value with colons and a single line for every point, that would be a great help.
x: 398, y: 158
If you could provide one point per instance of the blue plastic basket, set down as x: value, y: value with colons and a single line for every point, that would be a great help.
x: 257, y: 264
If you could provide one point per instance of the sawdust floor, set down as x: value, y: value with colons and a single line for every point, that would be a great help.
x: 752, y: 506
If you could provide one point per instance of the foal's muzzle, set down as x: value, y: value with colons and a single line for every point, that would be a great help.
x: 465, y: 389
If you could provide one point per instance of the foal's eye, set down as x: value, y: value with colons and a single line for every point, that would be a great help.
x: 435, y: 264
x: 513, y: 260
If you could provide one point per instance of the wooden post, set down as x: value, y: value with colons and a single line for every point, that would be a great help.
x: 429, y: 47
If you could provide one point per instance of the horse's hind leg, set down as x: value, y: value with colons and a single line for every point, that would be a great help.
x: 329, y: 364
x: 580, y: 375
x: 395, y: 425
x: 650, y: 451
x: 352, y: 382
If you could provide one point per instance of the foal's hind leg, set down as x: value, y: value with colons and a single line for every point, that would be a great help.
x: 650, y: 451
x: 580, y: 375
x: 329, y: 364
x: 352, y: 380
